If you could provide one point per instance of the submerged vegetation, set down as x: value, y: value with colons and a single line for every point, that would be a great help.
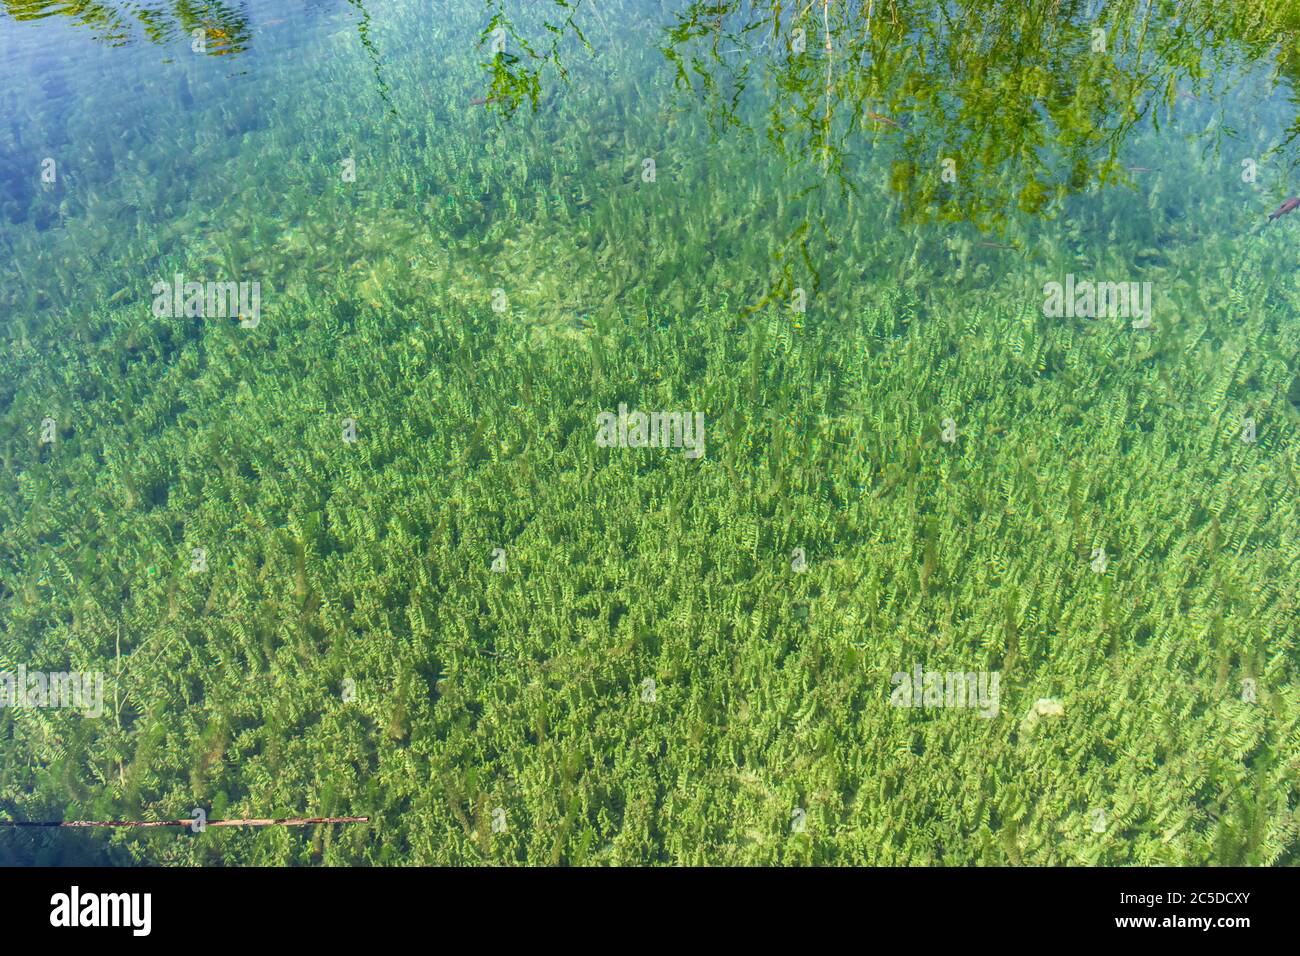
x: 367, y: 557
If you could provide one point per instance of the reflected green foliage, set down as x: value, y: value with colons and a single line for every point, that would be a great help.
x: 222, y: 26
x: 1031, y: 101
x: 518, y: 76
x: 330, y: 561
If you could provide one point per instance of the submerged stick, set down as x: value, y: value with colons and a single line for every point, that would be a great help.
x: 286, y: 822
x: 830, y: 60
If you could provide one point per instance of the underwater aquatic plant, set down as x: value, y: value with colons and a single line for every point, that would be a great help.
x: 369, y: 558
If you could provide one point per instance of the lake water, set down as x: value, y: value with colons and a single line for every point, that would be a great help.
x: 651, y: 433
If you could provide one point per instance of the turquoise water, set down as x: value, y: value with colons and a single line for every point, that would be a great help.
x: 341, y: 532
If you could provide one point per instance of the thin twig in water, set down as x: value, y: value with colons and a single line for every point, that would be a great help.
x: 830, y: 59
x: 287, y: 822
